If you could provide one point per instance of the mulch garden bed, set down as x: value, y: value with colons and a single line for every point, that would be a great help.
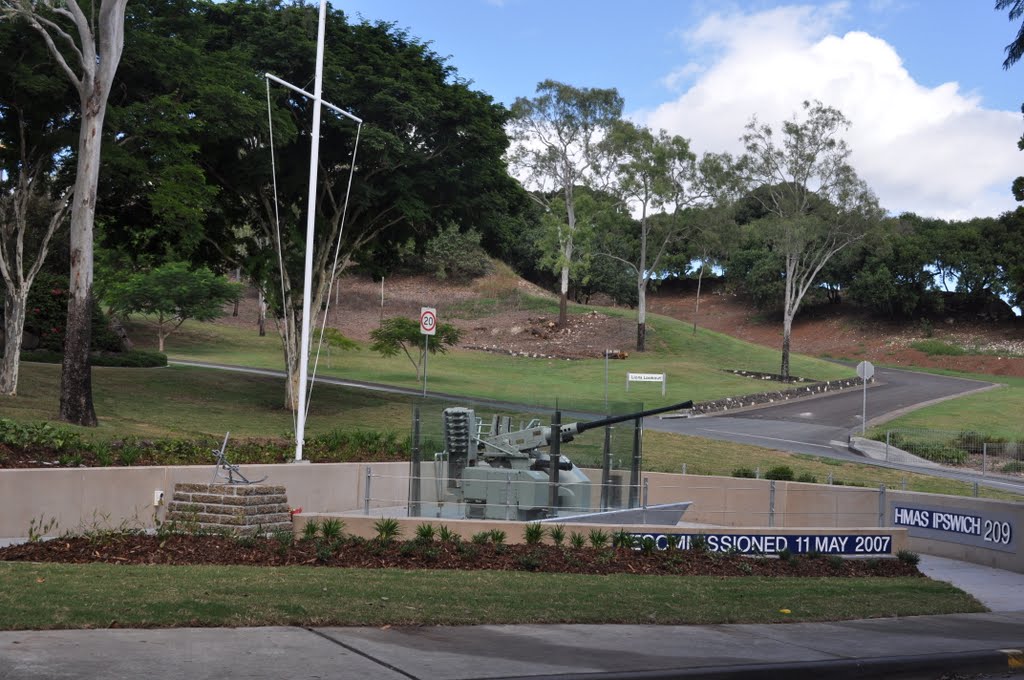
x: 187, y: 549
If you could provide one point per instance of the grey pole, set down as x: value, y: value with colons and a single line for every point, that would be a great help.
x: 864, y: 407
x: 426, y: 339
x: 414, y: 481
x: 606, y: 466
x: 553, y: 459
x: 634, y: 470
x: 366, y: 492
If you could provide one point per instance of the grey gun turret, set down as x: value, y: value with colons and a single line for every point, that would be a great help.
x: 501, y: 472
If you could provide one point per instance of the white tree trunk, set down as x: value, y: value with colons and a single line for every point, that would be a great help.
x: 14, y: 326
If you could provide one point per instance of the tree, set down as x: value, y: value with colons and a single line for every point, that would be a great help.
x: 813, y: 201
x: 93, y: 42
x: 34, y: 195
x: 556, y: 134
x: 1014, y: 52
x: 654, y: 173
x: 173, y: 293
x: 399, y: 334
x: 430, y: 154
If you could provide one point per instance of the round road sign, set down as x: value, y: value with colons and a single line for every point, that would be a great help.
x: 428, y: 321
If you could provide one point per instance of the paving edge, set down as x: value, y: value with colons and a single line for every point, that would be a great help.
x: 987, y: 661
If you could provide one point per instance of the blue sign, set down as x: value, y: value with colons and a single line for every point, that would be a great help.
x: 981, y: 528
x: 773, y: 544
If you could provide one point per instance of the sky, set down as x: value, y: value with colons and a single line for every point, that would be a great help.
x: 935, y: 118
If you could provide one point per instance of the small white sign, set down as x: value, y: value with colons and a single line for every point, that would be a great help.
x: 646, y: 377
x: 428, y: 321
x: 865, y: 370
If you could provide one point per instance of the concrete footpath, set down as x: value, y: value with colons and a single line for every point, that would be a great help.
x: 921, y: 647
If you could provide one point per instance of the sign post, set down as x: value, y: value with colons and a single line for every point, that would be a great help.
x: 865, y: 370
x: 428, y: 327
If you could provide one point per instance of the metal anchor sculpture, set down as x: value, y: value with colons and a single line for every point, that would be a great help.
x: 229, y: 471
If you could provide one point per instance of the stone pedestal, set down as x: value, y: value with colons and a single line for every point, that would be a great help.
x: 243, y: 509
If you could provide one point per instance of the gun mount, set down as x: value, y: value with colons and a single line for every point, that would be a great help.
x: 501, y: 472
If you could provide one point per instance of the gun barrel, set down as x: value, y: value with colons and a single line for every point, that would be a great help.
x: 590, y: 425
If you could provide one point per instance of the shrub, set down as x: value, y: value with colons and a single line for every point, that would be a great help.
x: 310, y: 530
x: 446, y: 535
x: 622, y: 539
x: 577, y: 540
x: 480, y: 538
x: 387, y: 529
x: 598, y: 538
x: 746, y: 473
x: 1013, y: 466
x: 533, y: 533
x: 699, y: 543
x: 785, y: 554
x: 648, y: 545
x: 807, y: 477
x: 933, y: 347
x: 557, y: 534
x: 331, y: 528
x: 497, y: 536
x: 425, y: 533
x: 455, y: 254
x: 908, y: 557
x: 782, y: 473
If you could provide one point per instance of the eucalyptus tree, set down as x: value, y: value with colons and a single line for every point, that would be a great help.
x: 557, y: 135
x: 34, y: 188
x: 1014, y: 52
x: 85, y: 43
x: 813, y: 203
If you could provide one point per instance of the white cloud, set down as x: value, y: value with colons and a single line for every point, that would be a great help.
x: 931, y: 150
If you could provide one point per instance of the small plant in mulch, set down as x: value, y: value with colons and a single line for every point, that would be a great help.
x: 136, y: 547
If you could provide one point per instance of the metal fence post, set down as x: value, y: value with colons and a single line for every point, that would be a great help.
x: 771, y: 503
x: 606, y: 466
x: 366, y: 493
x: 415, y: 493
x: 554, y: 455
x: 976, y: 490
x: 887, y: 432
x: 634, y: 470
x: 508, y: 496
x: 984, y: 459
x: 830, y: 478
x: 881, y: 505
x: 644, y: 501
x: 684, y: 468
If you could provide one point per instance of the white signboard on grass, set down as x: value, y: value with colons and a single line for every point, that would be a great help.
x: 646, y: 377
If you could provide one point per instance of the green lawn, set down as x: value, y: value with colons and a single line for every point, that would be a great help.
x: 996, y: 413
x: 695, y: 365
x: 43, y: 596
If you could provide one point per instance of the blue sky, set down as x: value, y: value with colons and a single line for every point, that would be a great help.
x: 935, y: 117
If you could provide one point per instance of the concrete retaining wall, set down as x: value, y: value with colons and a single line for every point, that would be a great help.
x: 108, y: 497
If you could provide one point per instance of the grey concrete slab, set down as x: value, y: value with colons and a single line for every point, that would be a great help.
x: 997, y: 589
x: 173, y: 654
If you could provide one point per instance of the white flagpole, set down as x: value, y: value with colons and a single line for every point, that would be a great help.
x: 307, y: 280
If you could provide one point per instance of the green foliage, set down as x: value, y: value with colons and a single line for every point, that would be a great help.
x: 699, y: 543
x: 454, y: 254
x: 744, y: 472
x: 648, y: 545
x: 557, y: 533
x: 807, y: 478
x: 172, y: 293
x: 577, y: 540
x: 933, y: 347
x: 447, y: 535
x: 497, y: 536
x: 425, y: 533
x: 785, y: 554
x: 534, y: 532
x: 598, y: 538
x: 480, y: 538
x: 908, y: 557
x: 332, y: 528
x: 400, y: 334
x: 39, y: 528
x: 387, y: 528
x: 41, y: 435
x: 1013, y: 466
x: 780, y: 472
x: 310, y: 530
x: 836, y: 562
x: 622, y: 539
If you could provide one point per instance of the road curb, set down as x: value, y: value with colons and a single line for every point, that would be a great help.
x: 1006, y: 661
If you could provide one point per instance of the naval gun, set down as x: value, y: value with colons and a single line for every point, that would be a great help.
x: 503, y: 472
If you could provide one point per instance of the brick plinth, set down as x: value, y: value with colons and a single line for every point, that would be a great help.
x: 243, y: 509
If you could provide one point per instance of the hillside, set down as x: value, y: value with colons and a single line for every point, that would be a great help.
x: 504, y: 314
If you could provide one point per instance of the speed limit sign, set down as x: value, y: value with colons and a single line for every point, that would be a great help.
x: 428, y: 320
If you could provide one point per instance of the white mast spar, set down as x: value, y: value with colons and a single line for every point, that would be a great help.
x: 307, y: 280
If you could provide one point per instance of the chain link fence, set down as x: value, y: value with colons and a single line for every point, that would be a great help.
x: 966, y: 449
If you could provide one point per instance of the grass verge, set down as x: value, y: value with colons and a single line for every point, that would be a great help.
x: 38, y: 596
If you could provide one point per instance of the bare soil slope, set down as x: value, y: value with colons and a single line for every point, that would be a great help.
x: 511, y: 327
